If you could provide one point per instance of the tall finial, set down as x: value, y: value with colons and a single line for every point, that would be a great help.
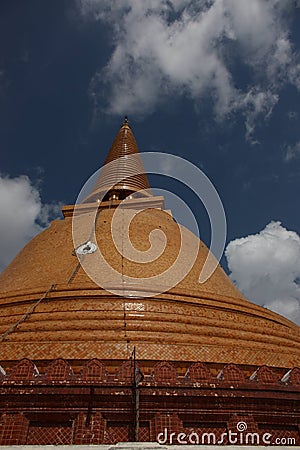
x: 124, y: 145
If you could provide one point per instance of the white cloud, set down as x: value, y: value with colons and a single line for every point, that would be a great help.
x: 22, y: 215
x: 292, y: 115
x: 256, y: 103
x: 292, y: 151
x: 188, y: 47
x: 266, y: 268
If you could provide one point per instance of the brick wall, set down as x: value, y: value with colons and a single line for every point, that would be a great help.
x: 95, y: 403
x: 13, y: 429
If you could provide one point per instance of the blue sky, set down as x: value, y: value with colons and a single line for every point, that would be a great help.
x: 216, y: 82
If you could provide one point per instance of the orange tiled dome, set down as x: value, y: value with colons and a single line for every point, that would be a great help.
x: 62, y: 313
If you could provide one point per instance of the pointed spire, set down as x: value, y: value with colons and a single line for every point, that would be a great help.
x: 123, y: 146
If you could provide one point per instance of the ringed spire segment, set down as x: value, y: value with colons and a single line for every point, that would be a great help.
x: 114, y: 180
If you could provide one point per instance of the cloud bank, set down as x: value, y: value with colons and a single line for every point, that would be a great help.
x: 266, y: 268
x: 22, y: 215
x: 197, y: 49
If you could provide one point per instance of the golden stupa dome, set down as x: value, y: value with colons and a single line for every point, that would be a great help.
x: 52, y: 305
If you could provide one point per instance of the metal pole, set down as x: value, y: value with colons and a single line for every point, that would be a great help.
x: 136, y: 399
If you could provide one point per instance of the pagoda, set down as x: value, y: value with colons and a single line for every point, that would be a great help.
x: 94, y: 351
